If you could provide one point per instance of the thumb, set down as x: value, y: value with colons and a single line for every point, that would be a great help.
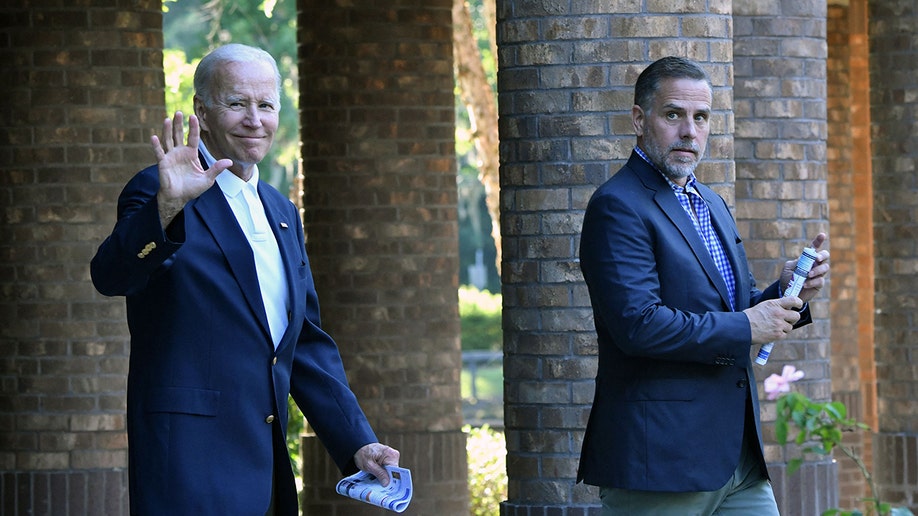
x: 791, y: 302
x: 218, y: 167
x: 819, y: 240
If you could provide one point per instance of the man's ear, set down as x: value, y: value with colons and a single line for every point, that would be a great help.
x: 637, y: 119
x: 200, y: 112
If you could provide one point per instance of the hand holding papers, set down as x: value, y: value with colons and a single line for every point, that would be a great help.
x: 366, y: 488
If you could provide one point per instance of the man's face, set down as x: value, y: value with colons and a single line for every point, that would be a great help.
x: 240, y: 121
x: 674, y: 132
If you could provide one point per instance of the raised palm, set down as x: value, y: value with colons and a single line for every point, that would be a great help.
x: 181, y: 176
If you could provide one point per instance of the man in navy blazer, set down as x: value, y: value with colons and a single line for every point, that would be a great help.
x: 674, y: 427
x: 223, y: 313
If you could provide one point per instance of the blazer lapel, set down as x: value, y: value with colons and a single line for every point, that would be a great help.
x: 669, y: 204
x: 722, y: 221
x: 215, y: 213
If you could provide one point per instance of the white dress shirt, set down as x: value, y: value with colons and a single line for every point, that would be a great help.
x: 269, y: 267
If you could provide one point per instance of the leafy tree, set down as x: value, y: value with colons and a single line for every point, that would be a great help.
x: 192, y: 28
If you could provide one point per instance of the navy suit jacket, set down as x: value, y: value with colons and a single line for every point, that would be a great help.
x: 207, y: 392
x: 674, y: 375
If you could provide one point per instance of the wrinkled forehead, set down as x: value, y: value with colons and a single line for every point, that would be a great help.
x: 254, y: 79
x: 688, y: 94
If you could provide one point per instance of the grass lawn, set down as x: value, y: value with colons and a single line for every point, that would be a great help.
x: 489, y: 382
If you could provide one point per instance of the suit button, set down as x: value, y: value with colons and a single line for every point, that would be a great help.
x: 741, y: 383
x: 269, y: 419
x: 274, y: 361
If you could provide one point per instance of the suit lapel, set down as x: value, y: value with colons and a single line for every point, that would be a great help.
x: 669, y: 204
x: 216, y: 214
x: 723, y: 223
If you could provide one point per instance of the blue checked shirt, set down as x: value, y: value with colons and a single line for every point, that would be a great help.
x: 697, y: 210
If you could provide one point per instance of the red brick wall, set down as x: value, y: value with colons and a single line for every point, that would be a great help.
x: 378, y: 118
x: 80, y: 87
x: 849, y: 186
x: 782, y: 201
x: 894, y: 108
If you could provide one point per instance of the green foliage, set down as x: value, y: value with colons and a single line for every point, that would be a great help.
x: 489, y: 382
x: 487, y: 452
x: 191, y: 28
x: 179, y: 80
x: 480, y: 319
x: 296, y: 424
x: 819, y: 430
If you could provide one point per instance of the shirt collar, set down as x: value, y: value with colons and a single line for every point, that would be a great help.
x: 228, y: 181
x: 690, y: 184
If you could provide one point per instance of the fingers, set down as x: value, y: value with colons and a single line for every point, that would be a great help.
x: 157, y: 148
x: 789, y: 304
x: 372, y: 457
x: 174, y: 135
x: 194, y: 131
x: 819, y: 240
x: 178, y: 130
x: 773, y: 320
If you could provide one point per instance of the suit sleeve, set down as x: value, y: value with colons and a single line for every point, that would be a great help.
x: 137, y: 245
x: 650, y: 295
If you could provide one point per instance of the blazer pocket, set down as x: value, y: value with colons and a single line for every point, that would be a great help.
x: 666, y: 389
x: 182, y: 400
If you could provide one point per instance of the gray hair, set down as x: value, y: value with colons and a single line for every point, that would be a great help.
x: 670, y: 67
x: 231, y: 53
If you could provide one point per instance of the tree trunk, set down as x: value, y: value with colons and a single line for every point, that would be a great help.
x: 479, y: 99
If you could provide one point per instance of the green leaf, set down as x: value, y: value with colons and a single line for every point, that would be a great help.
x: 836, y: 409
x: 781, y: 431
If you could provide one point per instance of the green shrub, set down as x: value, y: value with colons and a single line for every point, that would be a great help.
x: 487, y: 452
x: 480, y: 319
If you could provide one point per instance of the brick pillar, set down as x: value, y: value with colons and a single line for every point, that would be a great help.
x: 780, y: 63
x: 80, y: 88
x: 377, y: 110
x: 850, y: 197
x: 566, y: 87
x: 894, y: 108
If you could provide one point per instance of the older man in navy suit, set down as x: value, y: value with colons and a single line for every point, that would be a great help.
x: 674, y: 428
x: 223, y: 313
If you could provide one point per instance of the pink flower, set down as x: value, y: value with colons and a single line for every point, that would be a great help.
x: 777, y: 384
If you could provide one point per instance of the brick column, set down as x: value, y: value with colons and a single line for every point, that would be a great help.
x: 850, y: 200
x: 780, y: 88
x: 566, y: 83
x: 377, y: 110
x: 894, y: 108
x: 80, y: 88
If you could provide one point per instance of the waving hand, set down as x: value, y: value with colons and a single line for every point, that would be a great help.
x: 181, y: 176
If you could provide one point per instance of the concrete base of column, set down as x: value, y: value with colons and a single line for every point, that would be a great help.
x: 536, y: 509
x: 812, y: 489
x: 65, y: 492
x: 896, y: 469
x: 439, y: 472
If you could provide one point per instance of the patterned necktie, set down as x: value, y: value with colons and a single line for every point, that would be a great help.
x: 702, y: 221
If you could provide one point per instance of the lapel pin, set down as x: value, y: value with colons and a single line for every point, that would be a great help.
x: 283, y: 225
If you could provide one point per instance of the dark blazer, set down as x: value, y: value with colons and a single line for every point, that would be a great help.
x: 207, y: 392
x: 674, y: 373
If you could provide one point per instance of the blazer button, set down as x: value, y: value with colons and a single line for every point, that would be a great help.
x: 741, y: 383
x: 269, y: 419
x: 274, y: 361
